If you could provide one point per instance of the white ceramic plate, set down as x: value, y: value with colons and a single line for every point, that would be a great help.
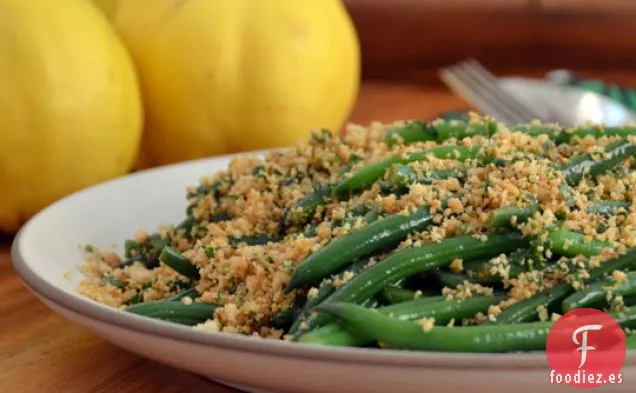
x: 48, y: 246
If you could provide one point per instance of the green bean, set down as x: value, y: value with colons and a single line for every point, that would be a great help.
x: 358, y: 210
x: 303, y: 210
x: 416, y: 131
x: 333, y: 334
x: 146, y: 252
x: 400, y: 334
x: 177, y: 312
x: 442, y: 310
x: 139, y: 296
x: 454, y: 115
x: 191, y: 207
x: 177, y: 262
x: 561, y: 136
x: 110, y: 280
x: 253, y: 240
x: 220, y: 216
x: 451, y: 280
x: 481, y: 270
x: 322, y: 136
x: 205, y: 189
x: 527, y: 310
x: 372, y: 215
x: 198, y: 231
x: 406, y: 263
x: 625, y: 318
x: 409, y: 335
x: 440, y: 131
x: 395, y: 295
x: 606, y: 208
x: 442, y: 174
x: 191, y: 293
x: 187, y: 224
x: 571, y: 244
x: 186, y: 227
x: 401, y: 175
x: 310, y: 230
x: 131, y: 248
x: 135, y: 299
x: 284, y: 318
x: 596, y: 132
x: 326, y: 288
x: 365, y: 177
x: 369, y: 217
x: 386, y: 232
x: 131, y: 261
x: 297, y: 329
x: 503, y: 217
x: 180, y: 285
x: 486, y: 277
x: 323, y: 292
x: 551, y: 131
x: 624, y: 262
x: 454, y: 280
x: 598, y: 292
x: 631, y: 342
x: 629, y: 301
x: 352, y: 217
x: 258, y: 170
x: 580, y: 166
x: 434, y: 305
x: 345, y: 169
x: 460, y: 130
x: 153, y: 248
x: 568, y: 194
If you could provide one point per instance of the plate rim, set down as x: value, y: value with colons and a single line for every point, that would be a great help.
x: 229, y: 341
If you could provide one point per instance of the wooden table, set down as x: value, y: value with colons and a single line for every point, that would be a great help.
x: 42, y: 352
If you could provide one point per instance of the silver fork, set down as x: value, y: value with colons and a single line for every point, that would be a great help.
x: 469, y: 79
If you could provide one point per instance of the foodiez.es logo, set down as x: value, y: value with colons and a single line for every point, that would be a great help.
x: 586, y: 348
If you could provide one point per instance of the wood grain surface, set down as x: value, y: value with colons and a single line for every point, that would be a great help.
x: 42, y: 352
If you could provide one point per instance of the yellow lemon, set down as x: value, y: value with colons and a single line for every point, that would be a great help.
x: 70, y: 106
x: 108, y: 7
x: 224, y: 76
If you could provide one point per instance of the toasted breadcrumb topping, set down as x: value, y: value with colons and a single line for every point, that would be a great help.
x: 427, y: 324
x: 254, y: 194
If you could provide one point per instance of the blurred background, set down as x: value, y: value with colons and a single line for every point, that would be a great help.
x: 150, y: 83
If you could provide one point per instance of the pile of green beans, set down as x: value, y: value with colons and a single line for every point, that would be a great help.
x: 399, y: 301
x: 441, y: 131
x: 401, y: 334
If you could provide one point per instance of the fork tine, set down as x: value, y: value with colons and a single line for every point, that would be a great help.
x: 550, y: 113
x: 491, y: 82
x: 486, y: 93
x: 468, y: 91
x: 480, y: 96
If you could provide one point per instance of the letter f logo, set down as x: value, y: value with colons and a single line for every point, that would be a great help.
x: 584, y: 347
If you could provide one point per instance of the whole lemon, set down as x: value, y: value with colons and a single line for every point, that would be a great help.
x: 224, y: 76
x: 108, y: 7
x: 70, y: 105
